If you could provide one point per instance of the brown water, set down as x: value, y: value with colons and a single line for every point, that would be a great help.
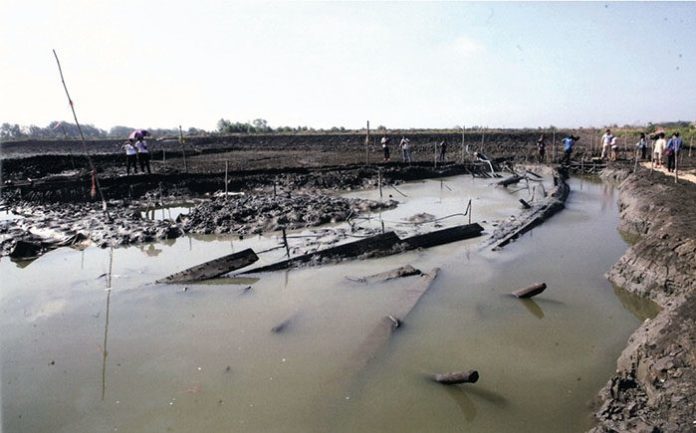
x: 139, y: 357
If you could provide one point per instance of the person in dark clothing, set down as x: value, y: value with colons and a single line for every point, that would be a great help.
x: 642, y: 146
x: 568, y: 143
x: 385, y: 147
x: 541, y: 148
x: 443, y: 151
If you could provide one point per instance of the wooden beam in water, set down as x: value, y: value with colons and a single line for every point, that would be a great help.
x: 444, y: 236
x: 471, y: 376
x: 213, y: 268
x: 381, y: 242
x: 530, y: 291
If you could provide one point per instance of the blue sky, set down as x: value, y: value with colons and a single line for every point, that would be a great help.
x: 161, y: 64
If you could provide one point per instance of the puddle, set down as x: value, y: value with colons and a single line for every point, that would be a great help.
x: 166, y: 212
x: 90, y: 343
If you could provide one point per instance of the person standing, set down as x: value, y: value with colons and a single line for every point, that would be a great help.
x: 443, y: 151
x: 385, y: 147
x: 568, y: 143
x: 131, y: 157
x: 659, y: 149
x: 672, y: 151
x: 405, y: 145
x: 606, y: 143
x: 614, y: 149
x: 541, y: 148
x: 143, y: 154
x: 642, y: 146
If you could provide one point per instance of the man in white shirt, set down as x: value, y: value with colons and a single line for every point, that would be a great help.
x: 131, y: 157
x: 405, y: 149
x: 606, y: 143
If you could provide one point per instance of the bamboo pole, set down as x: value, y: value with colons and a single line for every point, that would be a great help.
x: 84, y: 143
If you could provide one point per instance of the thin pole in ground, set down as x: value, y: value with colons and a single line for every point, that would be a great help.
x: 84, y: 143
x: 462, y: 145
x: 553, y: 146
x: 227, y: 168
x: 183, y: 149
x: 367, y: 144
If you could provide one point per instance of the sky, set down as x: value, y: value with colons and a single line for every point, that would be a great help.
x: 160, y: 64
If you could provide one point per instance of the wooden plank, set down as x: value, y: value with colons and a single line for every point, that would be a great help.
x: 213, y: 268
x: 381, y: 242
x: 471, y: 376
x: 444, y: 236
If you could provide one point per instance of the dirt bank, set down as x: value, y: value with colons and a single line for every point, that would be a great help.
x: 654, y: 388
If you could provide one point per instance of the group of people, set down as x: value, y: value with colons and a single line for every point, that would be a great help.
x: 568, y: 144
x: 137, y: 150
x: 665, y: 150
x: 406, y: 150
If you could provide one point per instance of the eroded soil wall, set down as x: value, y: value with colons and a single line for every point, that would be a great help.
x: 654, y: 388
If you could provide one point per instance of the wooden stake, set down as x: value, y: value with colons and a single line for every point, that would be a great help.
x: 554, y: 146
x: 530, y: 291
x: 183, y: 149
x: 367, y: 143
x: 379, y: 182
x: 285, y: 242
x: 227, y: 167
x: 454, y: 378
x: 84, y: 143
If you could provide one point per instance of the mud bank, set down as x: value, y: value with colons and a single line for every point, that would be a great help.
x: 43, y: 227
x: 654, y: 388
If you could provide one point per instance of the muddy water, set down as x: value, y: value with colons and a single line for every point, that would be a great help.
x: 89, y: 343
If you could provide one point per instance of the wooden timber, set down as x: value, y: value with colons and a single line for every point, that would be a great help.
x: 213, y: 268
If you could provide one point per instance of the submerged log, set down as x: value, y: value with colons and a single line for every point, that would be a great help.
x: 456, y: 377
x: 530, y: 291
x: 400, y: 272
x: 381, y: 333
x: 382, y: 242
x: 213, y: 268
x: 444, y: 236
x: 510, y: 180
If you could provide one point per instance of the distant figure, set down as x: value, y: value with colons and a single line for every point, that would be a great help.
x: 143, y: 154
x: 443, y: 151
x: 131, y: 156
x: 658, y: 149
x: 642, y: 146
x: 672, y: 151
x: 541, y: 148
x: 614, y: 149
x: 568, y: 143
x: 385, y: 147
x: 606, y: 143
x: 405, y: 145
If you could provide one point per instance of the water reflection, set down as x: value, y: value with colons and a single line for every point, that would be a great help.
x: 466, y: 405
x: 639, y: 306
x: 533, y: 308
